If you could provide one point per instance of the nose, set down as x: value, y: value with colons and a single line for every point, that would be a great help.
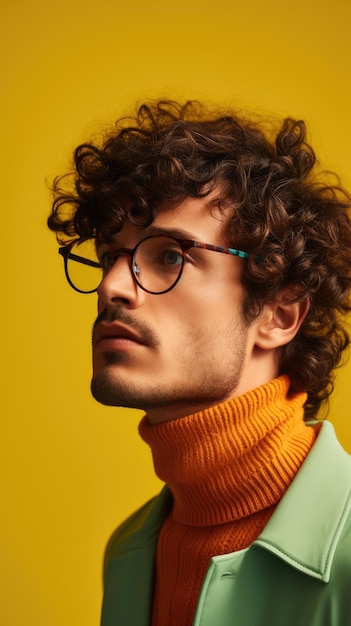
x: 119, y: 285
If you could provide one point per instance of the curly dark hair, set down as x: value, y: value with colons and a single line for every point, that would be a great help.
x: 283, y: 209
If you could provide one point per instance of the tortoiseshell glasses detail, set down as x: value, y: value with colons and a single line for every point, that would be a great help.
x: 156, y: 262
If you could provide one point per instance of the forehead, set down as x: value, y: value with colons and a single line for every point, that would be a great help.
x: 194, y: 218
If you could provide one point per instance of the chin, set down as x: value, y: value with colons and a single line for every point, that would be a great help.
x: 104, y: 390
x: 109, y: 391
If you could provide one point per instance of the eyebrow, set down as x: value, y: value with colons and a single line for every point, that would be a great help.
x: 170, y: 232
x: 153, y: 230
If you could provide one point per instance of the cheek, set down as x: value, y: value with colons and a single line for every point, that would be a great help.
x: 197, y: 321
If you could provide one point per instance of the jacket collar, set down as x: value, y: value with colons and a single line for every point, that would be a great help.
x: 305, y: 528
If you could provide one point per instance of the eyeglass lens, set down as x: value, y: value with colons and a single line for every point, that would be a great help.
x: 157, y: 263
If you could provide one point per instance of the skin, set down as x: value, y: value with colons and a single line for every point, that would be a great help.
x: 180, y: 352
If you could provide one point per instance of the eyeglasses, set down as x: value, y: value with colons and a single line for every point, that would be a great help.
x: 156, y: 262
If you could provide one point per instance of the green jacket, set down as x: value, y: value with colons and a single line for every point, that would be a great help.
x: 297, y: 573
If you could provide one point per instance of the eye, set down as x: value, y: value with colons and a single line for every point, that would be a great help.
x: 106, y: 260
x: 172, y: 257
x: 159, y: 254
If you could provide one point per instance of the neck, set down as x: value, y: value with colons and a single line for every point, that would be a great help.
x: 238, y: 457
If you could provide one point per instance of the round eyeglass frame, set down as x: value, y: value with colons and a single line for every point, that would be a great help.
x: 184, y: 244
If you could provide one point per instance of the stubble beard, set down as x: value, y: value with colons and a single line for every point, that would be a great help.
x: 204, y: 386
x: 111, y: 390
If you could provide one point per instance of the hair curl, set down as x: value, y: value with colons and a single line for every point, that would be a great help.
x: 281, y: 210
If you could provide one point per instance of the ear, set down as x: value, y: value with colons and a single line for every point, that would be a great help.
x: 281, y: 320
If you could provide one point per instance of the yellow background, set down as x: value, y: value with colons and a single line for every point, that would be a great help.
x: 71, y: 469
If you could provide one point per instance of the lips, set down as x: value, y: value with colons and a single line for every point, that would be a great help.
x: 113, y: 331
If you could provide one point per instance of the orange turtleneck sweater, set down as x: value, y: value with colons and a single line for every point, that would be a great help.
x: 227, y: 467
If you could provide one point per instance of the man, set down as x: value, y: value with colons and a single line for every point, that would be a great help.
x: 222, y: 263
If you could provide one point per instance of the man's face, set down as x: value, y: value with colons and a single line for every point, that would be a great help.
x: 178, y: 352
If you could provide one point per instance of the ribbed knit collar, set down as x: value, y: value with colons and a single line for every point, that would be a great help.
x: 233, y: 459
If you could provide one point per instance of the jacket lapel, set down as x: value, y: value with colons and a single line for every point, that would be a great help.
x: 130, y: 564
x: 306, y: 526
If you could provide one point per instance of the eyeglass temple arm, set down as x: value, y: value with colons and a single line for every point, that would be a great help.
x: 64, y: 251
x: 240, y: 253
x: 244, y: 255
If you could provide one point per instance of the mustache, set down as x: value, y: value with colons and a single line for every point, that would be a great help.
x: 145, y: 333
